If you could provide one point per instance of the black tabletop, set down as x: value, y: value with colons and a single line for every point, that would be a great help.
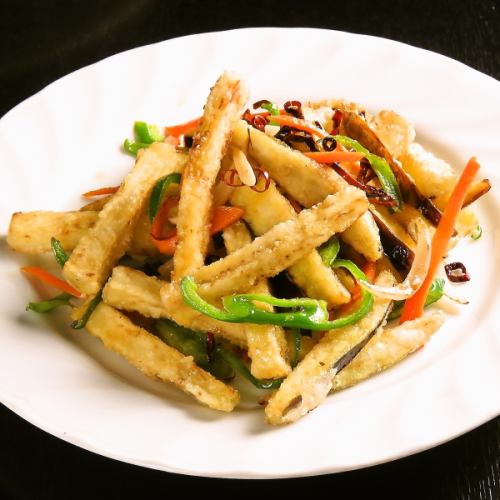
x: 42, y: 41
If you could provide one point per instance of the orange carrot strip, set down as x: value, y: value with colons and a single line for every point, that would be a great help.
x: 50, y: 279
x: 162, y: 216
x: 414, y: 306
x: 183, y: 128
x: 101, y: 191
x: 222, y: 217
x: 334, y: 156
x: 297, y: 123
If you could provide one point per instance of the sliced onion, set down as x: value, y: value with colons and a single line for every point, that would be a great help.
x: 458, y: 300
x: 243, y: 167
x: 417, y: 273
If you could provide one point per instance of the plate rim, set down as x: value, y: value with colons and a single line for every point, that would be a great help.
x: 34, y: 419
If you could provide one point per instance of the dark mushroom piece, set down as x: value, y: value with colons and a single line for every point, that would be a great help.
x: 356, y: 127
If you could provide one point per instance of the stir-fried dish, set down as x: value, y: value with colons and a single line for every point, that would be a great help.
x: 295, y: 247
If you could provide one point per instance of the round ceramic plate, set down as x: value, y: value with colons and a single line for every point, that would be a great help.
x: 66, y: 140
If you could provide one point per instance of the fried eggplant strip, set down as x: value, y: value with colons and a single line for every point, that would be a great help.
x: 132, y: 290
x: 355, y: 127
x: 266, y: 343
x: 388, y: 347
x: 100, y: 248
x: 30, y: 232
x: 266, y: 209
x: 307, y: 182
x: 222, y: 111
x: 277, y: 249
x: 309, y: 384
x: 156, y: 359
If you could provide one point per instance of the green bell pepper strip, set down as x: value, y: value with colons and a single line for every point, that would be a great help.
x: 80, y: 323
x: 297, y: 346
x: 58, y: 251
x: 132, y: 147
x: 436, y: 291
x: 191, y: 343
x: 225, y: 362
x: 237, y: 364
x: 46, y: 306
x: 271, y: 107
x: 380, y: 167
x: 308, y: 314
x: 147, y: 134
x: 329, y: 251
x: 158, y: 193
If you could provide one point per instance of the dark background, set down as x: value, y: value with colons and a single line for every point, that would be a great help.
x: 43, y: 40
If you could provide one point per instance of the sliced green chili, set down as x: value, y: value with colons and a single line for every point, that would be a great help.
x: 297, y: 346
x: 46, y: 306
x: 132, y: 147
x: 271, y: 107
x: 476, y: 233
x: 194, y: 344
x: 380, y: 167
x: 238, y: 365
x: 329, y: 251
x: 436, y: 291
x: 58, y: 250
x: 158, y: 193
x: 80, y: 323
x: 305, y: 313
x: 147, y: 133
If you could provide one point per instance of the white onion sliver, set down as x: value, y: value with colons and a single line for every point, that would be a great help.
x: 417, y: 273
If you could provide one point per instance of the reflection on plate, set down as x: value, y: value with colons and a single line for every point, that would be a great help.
x: 67, y: 138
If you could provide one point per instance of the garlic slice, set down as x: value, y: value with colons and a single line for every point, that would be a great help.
x: 243, y: 167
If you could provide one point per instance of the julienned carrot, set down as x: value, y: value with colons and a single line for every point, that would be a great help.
x: 370, y: 269
x: 162, y: 216
x: 50, y: 279
x: 297, y: 123
x: 183, y: 128
x: 101, y: 192
x: 334, y: 156
x: 223, y: 217
x: 414, y: 306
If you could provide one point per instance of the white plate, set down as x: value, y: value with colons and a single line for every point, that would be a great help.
x: 66, y: 140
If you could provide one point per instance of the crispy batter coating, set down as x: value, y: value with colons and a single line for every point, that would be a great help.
x: 222, y: 110
x: 99, y: 249
x: 267, y: 347
x: 156, y: 359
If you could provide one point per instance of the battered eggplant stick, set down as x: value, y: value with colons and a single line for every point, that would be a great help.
x: 266, y: 343
x: 388, y: 347
x: 158, y: 360
x: 265, y: 210
x: 311, y: 381
x: 275, y: 250
x: 306, y: 182
x: 31, y: 232
x: 99, y: 249
x: 132, y: 290
x: 222, y: 111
